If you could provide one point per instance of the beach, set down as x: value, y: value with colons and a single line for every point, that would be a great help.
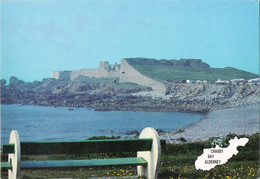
x: 243, y: 120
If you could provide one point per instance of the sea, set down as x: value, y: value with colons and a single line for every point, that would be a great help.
x: 43, y: 123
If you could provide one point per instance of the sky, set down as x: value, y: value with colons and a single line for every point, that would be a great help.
x: 42, y: 36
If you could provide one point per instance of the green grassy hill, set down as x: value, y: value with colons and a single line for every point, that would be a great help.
x: 171, y: 72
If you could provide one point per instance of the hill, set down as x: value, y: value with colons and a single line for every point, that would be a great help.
x: 193, y: 69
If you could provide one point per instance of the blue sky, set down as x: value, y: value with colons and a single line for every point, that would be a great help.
x: 39, y: 37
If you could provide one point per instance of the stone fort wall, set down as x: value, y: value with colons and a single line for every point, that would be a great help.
x: 104, y: 71
x: 125, y: 72
x: 130, y: 74
x: 61, y: 75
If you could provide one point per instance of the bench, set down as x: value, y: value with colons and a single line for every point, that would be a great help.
x: 147, y: 147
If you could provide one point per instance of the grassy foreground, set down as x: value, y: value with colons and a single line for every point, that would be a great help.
x: 177, y: 162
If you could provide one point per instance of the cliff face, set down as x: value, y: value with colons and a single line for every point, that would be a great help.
x: 111, y: 96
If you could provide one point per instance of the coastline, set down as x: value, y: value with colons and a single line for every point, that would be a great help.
x: 242, y: 120
x: 110, y: 96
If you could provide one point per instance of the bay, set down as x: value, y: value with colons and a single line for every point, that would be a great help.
x: 41, y: 123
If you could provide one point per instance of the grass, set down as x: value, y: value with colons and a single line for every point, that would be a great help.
x: 177, y: 161
x: 97, y: 80
x: 114, y: 81
x: 80, y: 173
x: 178, y: 73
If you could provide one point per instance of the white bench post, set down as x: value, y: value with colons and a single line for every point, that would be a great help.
x: 152, y: 157
x: 14, y: 158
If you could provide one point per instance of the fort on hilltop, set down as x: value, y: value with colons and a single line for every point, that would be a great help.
x: 151, y: 72
x: 125, y: 72
x: 103, y: 71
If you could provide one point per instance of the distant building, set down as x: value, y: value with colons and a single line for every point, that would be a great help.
x: 124, y: 72
x: 222, y: 82
x: 103, y: 71
x: 183, y: 81
x: 254, y: 81
x: 199, y: 82
x: 238, y: 81
x: 190, y: 81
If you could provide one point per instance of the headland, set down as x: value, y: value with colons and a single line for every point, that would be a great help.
x: 143, y: 84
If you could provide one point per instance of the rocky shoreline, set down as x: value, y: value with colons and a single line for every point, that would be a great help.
x: 240, y: 121
x: 111, y: 96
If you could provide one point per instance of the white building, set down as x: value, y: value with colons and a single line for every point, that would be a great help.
x: 238, y: 81
x: 222, y: 82
x: 254, y: 81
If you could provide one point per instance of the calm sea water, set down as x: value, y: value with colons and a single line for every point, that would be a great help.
x: 49, y: 123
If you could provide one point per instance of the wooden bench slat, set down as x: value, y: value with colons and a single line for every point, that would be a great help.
x: 6, y: 165
x: 82, y: 163
x: 86, y: 146
x: 8, y: 148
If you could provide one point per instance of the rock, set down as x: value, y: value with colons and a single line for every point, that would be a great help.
x: 105, y: 96
x: 132, y: 132
x: 160, y: 132
x: 3, y: 82
x: 182, y: 139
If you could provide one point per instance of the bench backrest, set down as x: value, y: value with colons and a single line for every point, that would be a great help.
x: 81, y: 147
